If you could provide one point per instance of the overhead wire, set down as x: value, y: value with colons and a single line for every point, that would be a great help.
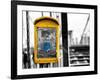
x: 85, y: 27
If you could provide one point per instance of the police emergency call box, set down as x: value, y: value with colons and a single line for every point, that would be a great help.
x: 46, y: 40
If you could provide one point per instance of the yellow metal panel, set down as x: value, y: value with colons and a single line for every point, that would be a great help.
x: 46, y: 24
x: 45, y: 18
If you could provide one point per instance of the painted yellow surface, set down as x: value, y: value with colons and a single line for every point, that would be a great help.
x: 46, y: 22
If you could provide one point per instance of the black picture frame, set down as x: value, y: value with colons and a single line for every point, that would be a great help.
x: 14, y: 39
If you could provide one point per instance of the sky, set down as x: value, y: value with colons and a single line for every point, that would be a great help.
x: 76, y: 23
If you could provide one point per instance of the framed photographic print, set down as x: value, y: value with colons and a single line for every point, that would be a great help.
x: 53, y: 39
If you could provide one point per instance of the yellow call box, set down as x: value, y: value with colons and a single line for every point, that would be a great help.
x: 46, y: 40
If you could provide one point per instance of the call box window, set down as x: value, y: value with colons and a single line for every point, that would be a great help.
x: 46, y: 43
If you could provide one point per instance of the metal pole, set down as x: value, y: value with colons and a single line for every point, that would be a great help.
x: 65, y: 38
x: 28, y: 40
